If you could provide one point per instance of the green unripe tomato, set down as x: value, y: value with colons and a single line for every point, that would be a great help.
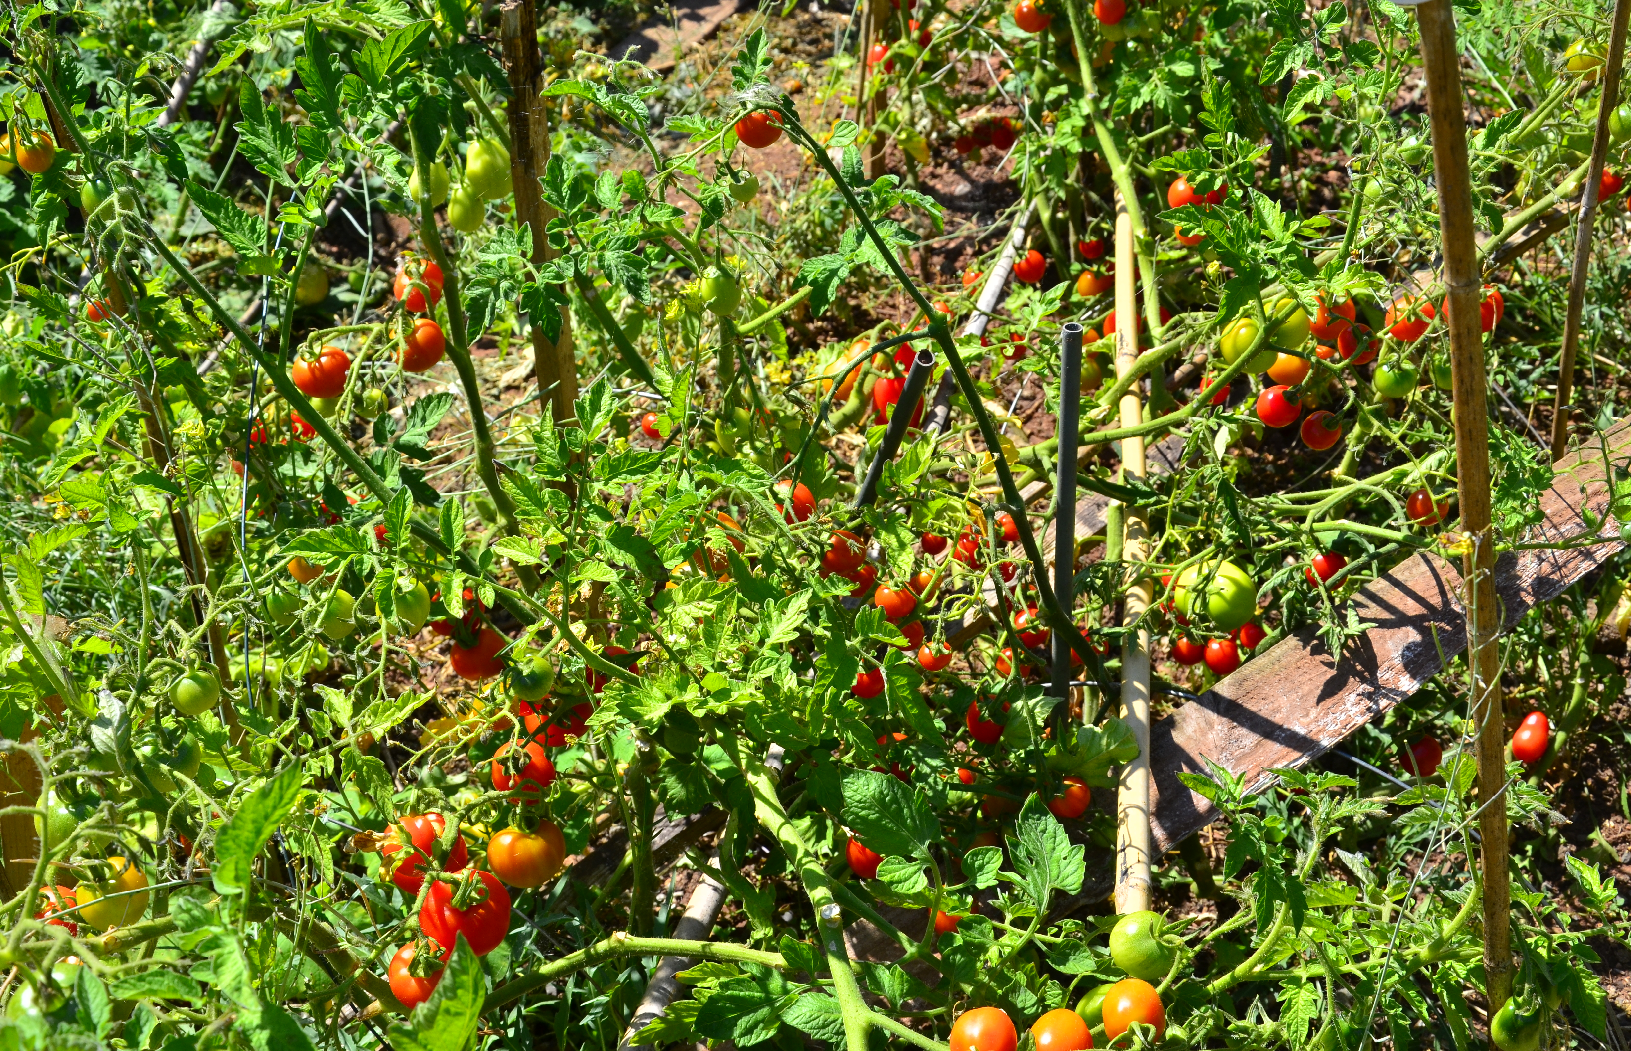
x: 439, y: 184
x: 1293, y: 331
x: 1136, y: 946
x: 1237, y: 339
x: 1090, y: 1008
x: 325, y: 406
x: 720, y: 292
x: 59, y: 822
x: 312, y: 288
x: 1515, y: 1029
x: 487, y: 169
x: 1440, y: 369
x: 412, y: 608
x: 466, y: 210
x: 196, y: 692
x: 745, y: 189
x: 339, y: 615
x: 1619, y: 123
x: 284, y: 607
x: 532, y: 679
x: 1413, y: 151
x: 1092, y: 374
x: 1395, y: 381
x: 1230, y: 594
x: 93, y: 194
x: 374, y: 403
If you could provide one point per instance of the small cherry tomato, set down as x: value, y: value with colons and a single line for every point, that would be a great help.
x: 1530, y: 740
x: 1327, y: 322
x: 322, y: 376
x: 980, y: 728
x: 1324, y: 566
x: 1424, y: 757
x: 1321, y: 430
x: 984, y: 1029
x: 802, y: 500
x: 1188, y: 651
x: 868, y: 683
x: 1008, y: 528
x: 413, y: 273
x: 648, y: 427
x: 414, y: 836
x: 423, y: 347
x: 759, y: 129
x: 1222, y: 656
x: 932, y: 543
x: 1028, y: 625
x: 1408, y: 318
x: 1276, y: 408
x: 896, y: 603
x: 934, y: 656
x: 863, y: 861
x: 483, y: 920
x: 1420, y: 508
x: 409, y: 988
x: 529, y: 770
x: 1133, y: 1000
x: 1249, y: 635
x: 1030, y: 268
x: 1029, y: 17
x: 527, y: 859
x: 1061, y: 1030
x: 481, y: 660
x: 1072, y: 800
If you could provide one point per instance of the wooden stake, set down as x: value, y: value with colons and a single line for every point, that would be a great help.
x: 875, y: 20
x: 1582, y: 236
x: 1133, y: 803
x: 556, y: 368
x: 1441, y: 60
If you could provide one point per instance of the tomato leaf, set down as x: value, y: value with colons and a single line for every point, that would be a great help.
x: 890, y: 817
x: 676, y: 1025
x: 380, y: 60
x: 746, y: 1009
x: 752, y: 62
x: 1043, y: 855
x: 448, y: 1020
x: 263, y: 137
x: 817, y: 1014
x: 155, y: 985
x: 250, y: 828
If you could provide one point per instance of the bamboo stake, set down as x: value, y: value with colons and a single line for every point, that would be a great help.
x: 553, y: 361
x: 1133, y: 803
x: 1582, y: 236
x: 876, y: 22
x: 1441, y: 61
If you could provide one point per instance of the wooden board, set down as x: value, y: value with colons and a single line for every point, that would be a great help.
x: 658, y: 44
x: 1295, y: 702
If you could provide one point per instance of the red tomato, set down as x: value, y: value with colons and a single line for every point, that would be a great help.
x: 1093, y: 249
x: 1408, y: 318
x: 802, y: 500
x: 1249, y: 634
x: 1424, y: 757
x: 934, y: 656
x: 1532, y: 736
x: 554, y: 729
x: 1222, y: 656
x: 1276, y: 408
x: 984, y: 1029
x: 868, y: 683
x: 1420, y: 509
x: 411, y: 298
x: 324, y: 375
x: 1138, y: 321
x: 1326, y: 321
x: 98, y: 311
x: 1188, y: 651
x: 1133, y: 1000
x: 971, y: 277
x: 945, y: 923
x: 1189, y: 240
x: 1324, y: 566
x: 965, y: 775
x: 968, y: 551
x: 933, y: 543
x: 1180, y: 192
x: 759, y: 129
x: 1028, y: 625
x: 1091, y: 283
x: 879, y: 53
x: 862, y: 861
x: 1609, y: 185
x: 1491, y: 308
x: 913, y: 630
x: 980, y: 728
x: 864, y: 578
x: 648, y: 427
x: 1008, y: 528
x: 1217, y: 196
x: 527, y: 859
x: 480, y: 661
x: 1072, y: 800
x: 1321, y: 430
x: 415, y: 836
x: 1061, y: 1030
x: 483, y: 921
x: 424, y: 346
x: 411, y: 989
x: 1002, y: 130
x: 1029, y: 18
x: 55, y: 899
x: 848, y: 551
x: 1030, y: 268
x: 530, y: 771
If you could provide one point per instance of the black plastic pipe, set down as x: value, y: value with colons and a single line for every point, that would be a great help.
x: 900, y: 418
x: 1064, y: 496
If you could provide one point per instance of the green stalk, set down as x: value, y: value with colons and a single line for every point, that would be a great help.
x: 641, y: 807
x: 608, y: 324
x: 622, y: 944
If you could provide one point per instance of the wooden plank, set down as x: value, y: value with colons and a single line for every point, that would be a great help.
x: 659, y: 44
x: 1290, y: 705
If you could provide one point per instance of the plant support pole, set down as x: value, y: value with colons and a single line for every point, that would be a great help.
x: 1133, y: 801
x: 1441, y: 60
x: 900, y: 419
x: 1583, y: 231
x: 1064, y: 496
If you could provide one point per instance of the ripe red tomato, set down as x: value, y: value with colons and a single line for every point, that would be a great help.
x: 1323, y: 567
x: 408, y: 988
x: 913, y: 630
x: 1491, y: 308
x: 1028, y: 625
x: 896, y: 603
x: 1424, y: 758
x: 1276, y: 408
x: 934, y: 656
x: 554, y: 729
x: 863, y: 862
x: 324, y: 375
x: 483, y: 922
x: 648, y: 427
x: 1421, y: 510
x: 55, y: 899
x: 1609, y: 185
x: 1408, y: 318
x: 759, y: 129
x: 1061, y: 1030
x: 1030, y: 268
x: 984, y: 1029
x: 1138, y: 321
x: 1109, y: 12
x: 98, y: 311
x: 879, y: 53
x: 527, y: 859
x: 1072, y: 800
x: 965, y: 775
x: 1133, y: 1000
x: 1249, y: 635
x: 1188, y: 240
x: 1532, y: 736
x: 933, y: 543
x: 868, y: 683
x: 1179, y: 193
x: 1321, y: 430
x: 1008, y: 528
x: 968, y: 550
x: 530, y: 771
x: 411, y: 298
x: 414, y: 836
x: 1188, y: 651
x: 480, y: 661
x: 1001, y: 130
x: 1090, y: 250
x: 980, y: 728
x: 945, y: 922
x: 802, y: 500
x: 1029, y: 18
x: 423, y: 347
x: 864, y: 578
x: 1326, y: 321
x: 1222, y: 656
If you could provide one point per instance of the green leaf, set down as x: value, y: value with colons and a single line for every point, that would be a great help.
x: 907, y: 879
x: 817, y: 1014
x: 890, y: 817
x: 824, y: 274
x: 157, y: 985
x: 380, y: 60
x: 1043, y: 855
x: 676, y: 1025
x: 746, y: 1009
x: 319, y: 93
x: 1598, y: 893
x: 1299, y: 1005
x: 250, y: 828
x: 423, y: 416
x: 452, y: 530
x: 981, y: 866
x: 1028, y: 719
x: 448, y: 1020
x: 93, y: 1000
x: 753, y: 62
x: 263, y: 137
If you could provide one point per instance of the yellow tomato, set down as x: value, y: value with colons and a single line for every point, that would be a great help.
x: 1238, y: 338
x: 1288, y: 369
x: 100, y: 909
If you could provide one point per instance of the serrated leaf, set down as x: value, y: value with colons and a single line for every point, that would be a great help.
x: 888, y: 816
x: 251, y: 826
